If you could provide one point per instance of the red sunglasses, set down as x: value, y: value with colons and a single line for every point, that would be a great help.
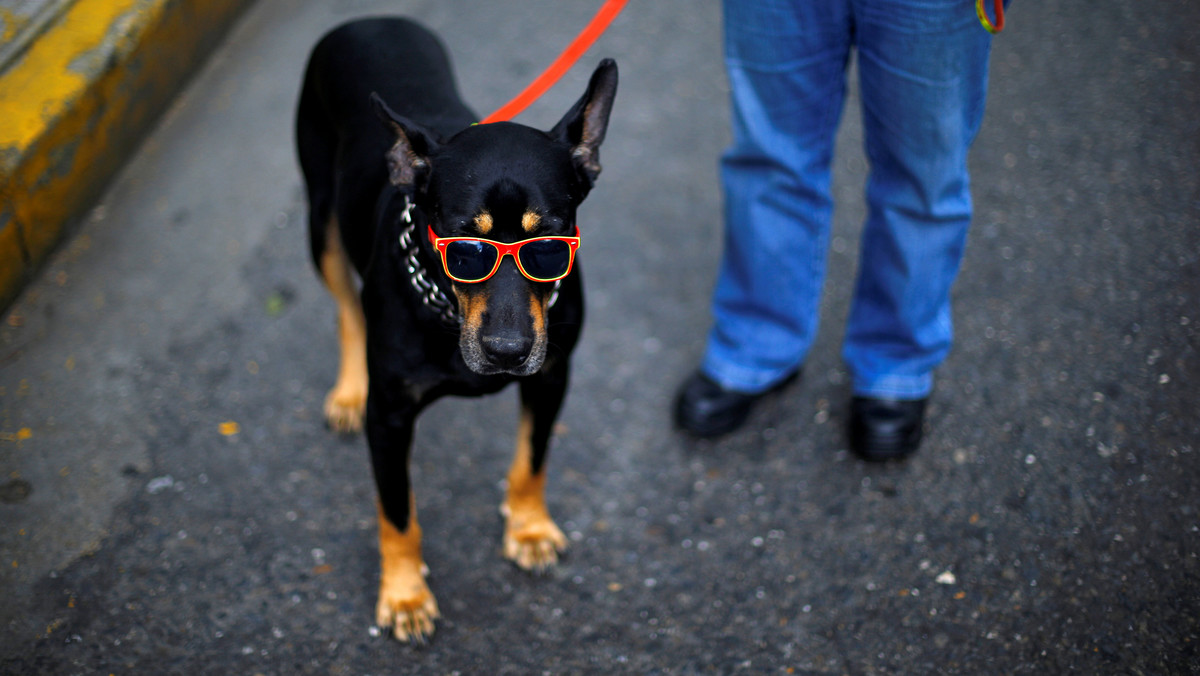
x: 471, y: 260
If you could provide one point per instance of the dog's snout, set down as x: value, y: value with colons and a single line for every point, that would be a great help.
x: 507, y: 351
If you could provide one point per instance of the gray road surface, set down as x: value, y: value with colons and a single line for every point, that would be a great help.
x: 1049, y: 525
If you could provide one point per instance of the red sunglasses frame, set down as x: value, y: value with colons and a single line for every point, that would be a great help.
x: 505, y: 249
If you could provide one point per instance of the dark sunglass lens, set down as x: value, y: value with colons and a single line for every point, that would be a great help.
x: 546, y: 258
x: 470, y: 259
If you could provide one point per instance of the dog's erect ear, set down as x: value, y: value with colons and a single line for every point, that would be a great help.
x: 584, y: 124
x: 408, y: 159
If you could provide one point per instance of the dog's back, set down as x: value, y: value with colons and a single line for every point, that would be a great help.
x: 409, y: 68
x: 336, y: 125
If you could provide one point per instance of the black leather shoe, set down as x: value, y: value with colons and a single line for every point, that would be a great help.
x: 705, y: 409
x: 885, y: 429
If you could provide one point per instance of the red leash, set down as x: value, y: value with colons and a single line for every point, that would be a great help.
x: 562, y: 64
x: 992, y: 28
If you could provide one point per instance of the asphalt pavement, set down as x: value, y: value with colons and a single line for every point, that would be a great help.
x: 170, y: 501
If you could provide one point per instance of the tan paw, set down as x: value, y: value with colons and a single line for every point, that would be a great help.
x: 531, y: 539
x: 344, y: 409
x: 408, y: 608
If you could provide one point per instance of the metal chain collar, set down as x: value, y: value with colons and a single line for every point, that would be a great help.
x: 431, y: 294
x: 427, y: 288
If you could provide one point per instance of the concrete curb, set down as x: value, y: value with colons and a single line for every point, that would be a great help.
x: 77, y: 102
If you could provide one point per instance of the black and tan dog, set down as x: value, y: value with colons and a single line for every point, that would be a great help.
x: 462, y: 238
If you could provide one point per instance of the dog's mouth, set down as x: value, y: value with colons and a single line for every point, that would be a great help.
x: 494, y: 354
x: 501, y: 337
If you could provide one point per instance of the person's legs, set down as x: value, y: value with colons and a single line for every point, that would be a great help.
x: 923, y: 74
x: 786, y: 63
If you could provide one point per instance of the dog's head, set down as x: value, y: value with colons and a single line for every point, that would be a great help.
x: 503, y: 182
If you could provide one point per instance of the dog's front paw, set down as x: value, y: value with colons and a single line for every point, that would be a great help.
x: 406, y: 606
x: 531, y: 538
x: 345, y: 408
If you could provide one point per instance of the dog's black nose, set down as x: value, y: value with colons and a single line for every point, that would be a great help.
x: 507, y: 351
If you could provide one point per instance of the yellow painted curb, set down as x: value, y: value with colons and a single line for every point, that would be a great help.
x: 78, y: 101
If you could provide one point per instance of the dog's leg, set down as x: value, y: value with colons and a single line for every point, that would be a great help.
x: 531, y: 538
x: 346, y: 402
x: 405, y: 602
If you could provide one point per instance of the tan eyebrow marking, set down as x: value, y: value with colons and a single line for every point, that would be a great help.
x: 484, y: 222
x: 530, y: 221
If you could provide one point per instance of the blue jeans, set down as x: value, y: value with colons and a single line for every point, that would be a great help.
x: 923, y: 74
